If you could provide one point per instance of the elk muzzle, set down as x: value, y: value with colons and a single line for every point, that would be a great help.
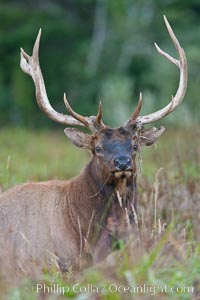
x: 122, y: 162
x: 123, y: 166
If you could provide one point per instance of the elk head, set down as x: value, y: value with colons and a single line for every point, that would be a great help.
x: 114, y: 149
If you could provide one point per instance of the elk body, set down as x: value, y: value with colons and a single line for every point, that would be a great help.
x: 66, y: 220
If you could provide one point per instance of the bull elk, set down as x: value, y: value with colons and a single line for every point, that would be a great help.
x: 68, y: 219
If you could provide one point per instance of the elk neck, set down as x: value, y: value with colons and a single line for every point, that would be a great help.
x: 106, y: 187
x: 97, y: 200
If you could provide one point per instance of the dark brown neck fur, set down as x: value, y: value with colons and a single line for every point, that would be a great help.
x: 109, y: 215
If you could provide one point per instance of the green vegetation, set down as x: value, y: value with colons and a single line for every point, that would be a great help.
x: 37, y: 155
x: 97, y: 49
x: 165, y: 249
x: 103, y: 50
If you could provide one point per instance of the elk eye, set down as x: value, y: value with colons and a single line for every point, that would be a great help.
x: 98, y: 149
x: 135, y: 147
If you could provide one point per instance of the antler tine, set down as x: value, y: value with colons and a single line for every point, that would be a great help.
x: 99, y: 115
x: 92, y: 122
x: 36, y: 46
x: 173, y: 37
x: 30, y: 65
x: 167, y: 56
x: 78, y: 117
x: 182, y: 65
x: 134, y: 116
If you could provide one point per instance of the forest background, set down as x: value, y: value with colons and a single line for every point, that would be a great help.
x: 98, y: 50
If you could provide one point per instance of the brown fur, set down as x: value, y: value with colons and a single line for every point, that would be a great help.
x: 64, y: 222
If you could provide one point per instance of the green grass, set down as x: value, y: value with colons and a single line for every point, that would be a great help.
x: 165, y: 249
x: 37, y: 156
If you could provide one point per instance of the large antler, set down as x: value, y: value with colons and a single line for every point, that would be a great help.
x: 181, y: 63
x: 31, y: 66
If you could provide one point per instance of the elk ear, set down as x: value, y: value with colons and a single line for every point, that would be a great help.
x: 79, y: 138
x: 149, y: 136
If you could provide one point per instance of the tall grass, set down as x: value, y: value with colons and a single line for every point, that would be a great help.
x: 162, y: 257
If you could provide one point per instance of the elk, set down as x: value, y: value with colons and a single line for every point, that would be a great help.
x: 71, y: 218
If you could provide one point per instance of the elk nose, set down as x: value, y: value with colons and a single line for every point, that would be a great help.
x: 122, y: 162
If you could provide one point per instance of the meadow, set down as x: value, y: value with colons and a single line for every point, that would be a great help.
x: 162, y: 257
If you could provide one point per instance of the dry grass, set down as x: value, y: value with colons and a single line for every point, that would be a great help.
x: 165, y: 247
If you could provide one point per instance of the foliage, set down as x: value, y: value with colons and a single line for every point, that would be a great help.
x: 87, y: 43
